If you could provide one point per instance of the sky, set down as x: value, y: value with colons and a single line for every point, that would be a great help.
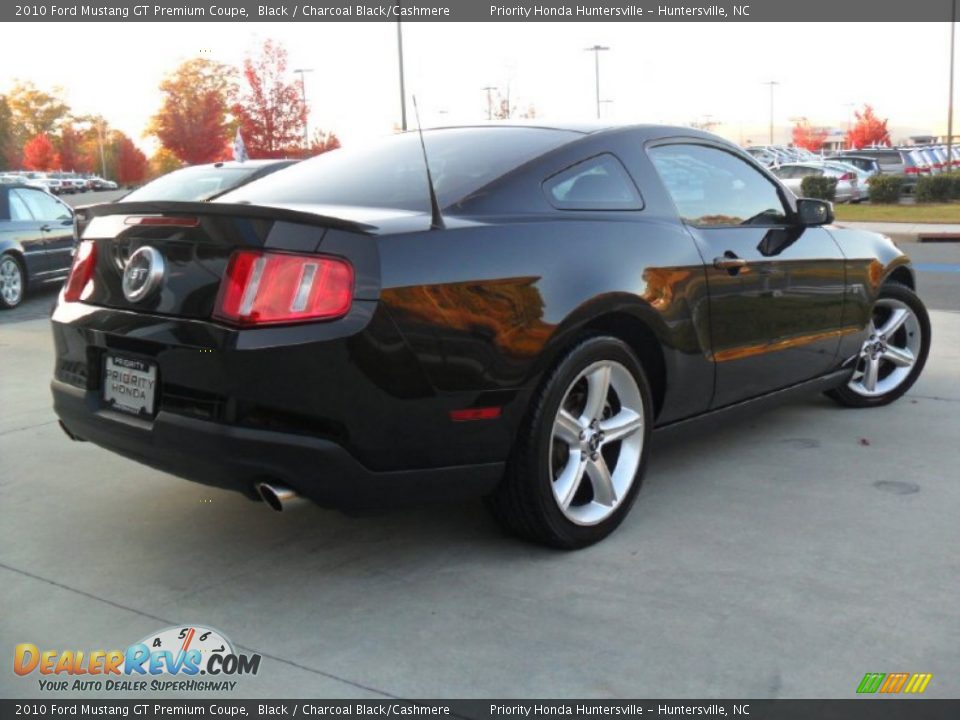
x: 675, y: 73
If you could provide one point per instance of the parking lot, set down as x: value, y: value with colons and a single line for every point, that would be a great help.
x: 783, y: 556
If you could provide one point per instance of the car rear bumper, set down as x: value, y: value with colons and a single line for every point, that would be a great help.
x: 236, y: 458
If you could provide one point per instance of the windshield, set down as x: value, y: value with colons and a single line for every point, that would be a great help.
x: 390, y: 172
x: 193, y: 183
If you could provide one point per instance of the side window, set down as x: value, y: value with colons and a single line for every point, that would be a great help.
x: 43, y: 206
x: 710, y: 186
x: 18, y: 208
x: 600, y: 183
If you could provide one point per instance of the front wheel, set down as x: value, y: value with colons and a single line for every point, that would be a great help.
x: 579, y: 459
x: 893, y: 355
x: 12, y: 282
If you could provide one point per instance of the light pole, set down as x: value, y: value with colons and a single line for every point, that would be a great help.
x: 953, y: 28
x: 489, y: 89
x: 303, y: 97
x: 103, y: 159
x: 596, y: 50
x: 403, y: 91
x: 771, y: 83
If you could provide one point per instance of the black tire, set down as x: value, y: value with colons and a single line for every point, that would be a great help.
x: 892, y: 293
x: 11, y: 261
x: 525, y: 503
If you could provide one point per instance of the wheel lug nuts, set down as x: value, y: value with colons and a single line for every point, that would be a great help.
x: 594, y: 456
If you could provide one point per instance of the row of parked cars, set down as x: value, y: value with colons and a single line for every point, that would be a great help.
x: 58, y: 183
x: 853, y: 168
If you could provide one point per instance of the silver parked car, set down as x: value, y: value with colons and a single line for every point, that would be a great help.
x: 792, y: 175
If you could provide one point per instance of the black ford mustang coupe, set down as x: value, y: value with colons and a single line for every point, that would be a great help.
x: 513, y: 324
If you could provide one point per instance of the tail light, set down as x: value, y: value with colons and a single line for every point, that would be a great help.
x: 81, y: 272
x: 848, y: 176
x: 262, y: 288
x: 911, y: 171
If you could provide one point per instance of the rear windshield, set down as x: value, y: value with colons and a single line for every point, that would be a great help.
x: 390, y: 172
x: 192, y: 183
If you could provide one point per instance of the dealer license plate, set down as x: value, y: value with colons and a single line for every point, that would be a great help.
x: 129, y: 384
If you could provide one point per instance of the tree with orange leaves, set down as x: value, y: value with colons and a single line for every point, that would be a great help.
x: 73, y: 156
x: 271, y: 110
x: 40, y: 154
x: 192, y: 122
x: 323, y: 142
x: 808, y: 137
x: 131, y: 162
x: 868, y: 130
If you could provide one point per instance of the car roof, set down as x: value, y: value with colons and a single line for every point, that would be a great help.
x: 238, y: 164
x: 648, y: 131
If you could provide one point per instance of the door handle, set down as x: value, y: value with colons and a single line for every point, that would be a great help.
x: 46, y: 228
x: 729, y: 263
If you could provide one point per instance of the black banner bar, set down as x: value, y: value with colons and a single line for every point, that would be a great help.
x: 873, y: 708
x: 479, y: 11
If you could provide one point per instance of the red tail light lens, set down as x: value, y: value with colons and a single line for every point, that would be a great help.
x: 847, y: 176
x: 911, y: 171
x: 263, y: 288
x: 81, y: 272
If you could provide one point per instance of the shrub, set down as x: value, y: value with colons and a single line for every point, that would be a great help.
x: 885, y: 188
x: 954, y: 185
x: 822, y: 188
x: 935, y: 188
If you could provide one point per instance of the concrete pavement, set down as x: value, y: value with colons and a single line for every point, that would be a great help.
x: 780, y: 557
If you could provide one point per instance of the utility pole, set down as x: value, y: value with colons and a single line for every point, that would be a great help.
x: 303, y: 97
x: 403, y: 90
x: 596, y: 50
x: 489, y: 89
x: 771, y: 83
x: 953, y: 28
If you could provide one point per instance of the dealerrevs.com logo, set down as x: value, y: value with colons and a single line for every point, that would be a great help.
x: 183, y: 653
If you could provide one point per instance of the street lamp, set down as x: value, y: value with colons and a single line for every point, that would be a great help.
x: 489, y: 89
x: 403, y: 92
x: 953, y: 29
x: 303, y: 97
x: 771, y: 83
x: 596, y: 50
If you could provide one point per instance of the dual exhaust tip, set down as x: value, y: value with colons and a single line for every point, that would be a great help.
x: 278, y: 497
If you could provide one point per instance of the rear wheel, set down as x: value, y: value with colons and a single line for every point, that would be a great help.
x: 12, y: 281
x: 893, y: 355
x: 578, y: 463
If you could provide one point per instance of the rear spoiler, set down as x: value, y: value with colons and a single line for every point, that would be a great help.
x: 267, y: 212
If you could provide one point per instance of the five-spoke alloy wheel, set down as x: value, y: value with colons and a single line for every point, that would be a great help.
x: 579, y: 461
x: 894, y: 352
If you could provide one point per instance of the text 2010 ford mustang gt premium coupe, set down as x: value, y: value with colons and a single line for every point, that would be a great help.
x: 514, y: 323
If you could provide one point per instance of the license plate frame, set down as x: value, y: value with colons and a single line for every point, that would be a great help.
x: 130, y: 384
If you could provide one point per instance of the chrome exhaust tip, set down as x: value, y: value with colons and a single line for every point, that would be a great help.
x: 278, y: 497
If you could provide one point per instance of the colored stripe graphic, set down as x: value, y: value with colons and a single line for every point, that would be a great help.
x: 918, y: 683
x: 870, y: 683
x: 894, y: 682
x: 913, y: 683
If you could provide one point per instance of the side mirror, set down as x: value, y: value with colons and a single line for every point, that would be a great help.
x: 812, y: 212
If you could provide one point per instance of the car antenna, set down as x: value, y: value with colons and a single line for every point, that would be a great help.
x: 436, y: 217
